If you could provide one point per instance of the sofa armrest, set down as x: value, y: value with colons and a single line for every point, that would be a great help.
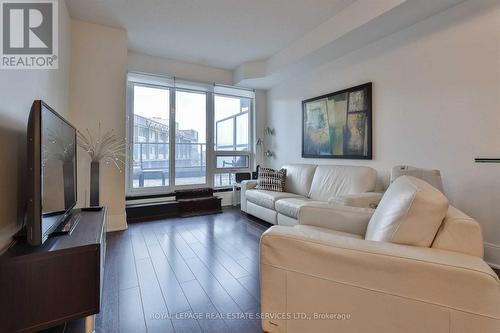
x: 362, y: 200
x: 337, y: 217
x: 438, y: 277
x: 246, y: 185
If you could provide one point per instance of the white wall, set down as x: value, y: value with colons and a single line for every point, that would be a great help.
x: 97, y: 95
x: 436, y: 88
x: 163, y: 66
x: 18, y: 89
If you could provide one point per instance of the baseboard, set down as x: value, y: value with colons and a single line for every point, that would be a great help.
x: 116, y: 222
x: 492, y: 254
x: 117, y: 229
x: 227, y: 198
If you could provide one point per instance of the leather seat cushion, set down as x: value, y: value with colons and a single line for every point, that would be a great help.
x: 268, y: 199
x: 410, y: 212
x: 291, y: 206
x: 323, y: 234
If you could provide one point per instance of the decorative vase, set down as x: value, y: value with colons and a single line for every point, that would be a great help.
x: 94, y: 184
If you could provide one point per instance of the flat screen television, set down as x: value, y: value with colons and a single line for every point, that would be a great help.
x: 51, y: 172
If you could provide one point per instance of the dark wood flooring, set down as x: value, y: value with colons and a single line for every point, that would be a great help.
x: 183, y: 275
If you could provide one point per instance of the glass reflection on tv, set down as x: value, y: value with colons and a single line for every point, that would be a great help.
x: 58, y: 168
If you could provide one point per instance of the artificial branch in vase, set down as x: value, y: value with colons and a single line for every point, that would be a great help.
x: 108, y: 148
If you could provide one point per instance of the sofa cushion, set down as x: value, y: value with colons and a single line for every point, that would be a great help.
x: 268, y: 198
x: 271, y: 180
x: 299, y: 178
x: 291, y: 206
x: 410, y: 212
x: 334, y: 180
x: 323, y: 234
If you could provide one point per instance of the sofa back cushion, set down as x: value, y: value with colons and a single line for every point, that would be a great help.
x: 410, y: 212
x: 299, y: 178
x: 459, y: 233
x: 333, y: 180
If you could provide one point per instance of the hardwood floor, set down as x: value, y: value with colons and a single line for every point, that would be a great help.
x: 183, y: 275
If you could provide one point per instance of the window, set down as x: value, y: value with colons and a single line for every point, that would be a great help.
x: 190, y: 138
x: 231, y: 123
x: 224, y: 179
x: 150, y: 114
x: 160, y: 160
x: 232, y: 136
x: 232, y: 162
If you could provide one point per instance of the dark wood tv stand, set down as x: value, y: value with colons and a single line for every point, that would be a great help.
x: 57, y: 282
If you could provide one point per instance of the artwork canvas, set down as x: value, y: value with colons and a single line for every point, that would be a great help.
x: 338, y: 125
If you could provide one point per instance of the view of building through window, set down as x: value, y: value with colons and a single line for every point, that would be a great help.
x: 152, y: 146
x: 190, y: 138
x: 151, y: 137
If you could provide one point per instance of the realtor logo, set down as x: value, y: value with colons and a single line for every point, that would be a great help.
x: 29, y: 37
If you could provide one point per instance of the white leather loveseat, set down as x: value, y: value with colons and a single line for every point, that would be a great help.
x: 307, y: 184
x: 413, y: 265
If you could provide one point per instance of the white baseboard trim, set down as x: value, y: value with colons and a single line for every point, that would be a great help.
x: 117, y: 228
x: 227, y: 198
x: 492, y: 254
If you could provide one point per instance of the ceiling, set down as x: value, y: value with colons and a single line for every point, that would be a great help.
x: 219, y: 33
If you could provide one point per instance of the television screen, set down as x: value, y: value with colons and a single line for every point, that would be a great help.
x: 58, y: 168
x: 51, y: 171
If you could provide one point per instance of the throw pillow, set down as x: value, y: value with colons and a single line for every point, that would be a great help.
x: 271, y: 180
x: 410, y: 212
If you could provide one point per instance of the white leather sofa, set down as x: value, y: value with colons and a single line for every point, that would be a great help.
x: 325, y: 267
x: 327, y: 185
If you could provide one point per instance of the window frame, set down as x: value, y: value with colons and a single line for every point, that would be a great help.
x: 161, y: 82
x: 249, y: 153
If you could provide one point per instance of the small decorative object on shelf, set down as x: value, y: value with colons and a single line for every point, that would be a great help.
x: 268, y: 131
x: 107, y: 148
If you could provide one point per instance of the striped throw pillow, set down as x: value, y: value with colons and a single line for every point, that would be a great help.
x: 271, y: 180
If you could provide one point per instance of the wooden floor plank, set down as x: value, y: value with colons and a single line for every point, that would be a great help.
x: 201, y: 304
x: 131, y: 313
x: 127, y: 275
x: 224, y: 304
x: 175, y: 259
x: 155, y: 310
x: 171, y: 289
x: 211, y: 249
x: 251, y: 284
x: 240, y: 295
x: 138, y: 244
x: 185, y: 323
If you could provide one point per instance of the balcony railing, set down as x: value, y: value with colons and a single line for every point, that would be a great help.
x: 151, y: 164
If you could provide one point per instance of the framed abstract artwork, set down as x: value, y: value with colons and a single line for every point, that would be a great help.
x: 338, y: 125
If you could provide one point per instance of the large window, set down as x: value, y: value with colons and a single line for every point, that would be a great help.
x: 211, y: 139
x: 190, y: 138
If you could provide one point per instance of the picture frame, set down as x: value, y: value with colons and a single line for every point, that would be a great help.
x: 338, y: 124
